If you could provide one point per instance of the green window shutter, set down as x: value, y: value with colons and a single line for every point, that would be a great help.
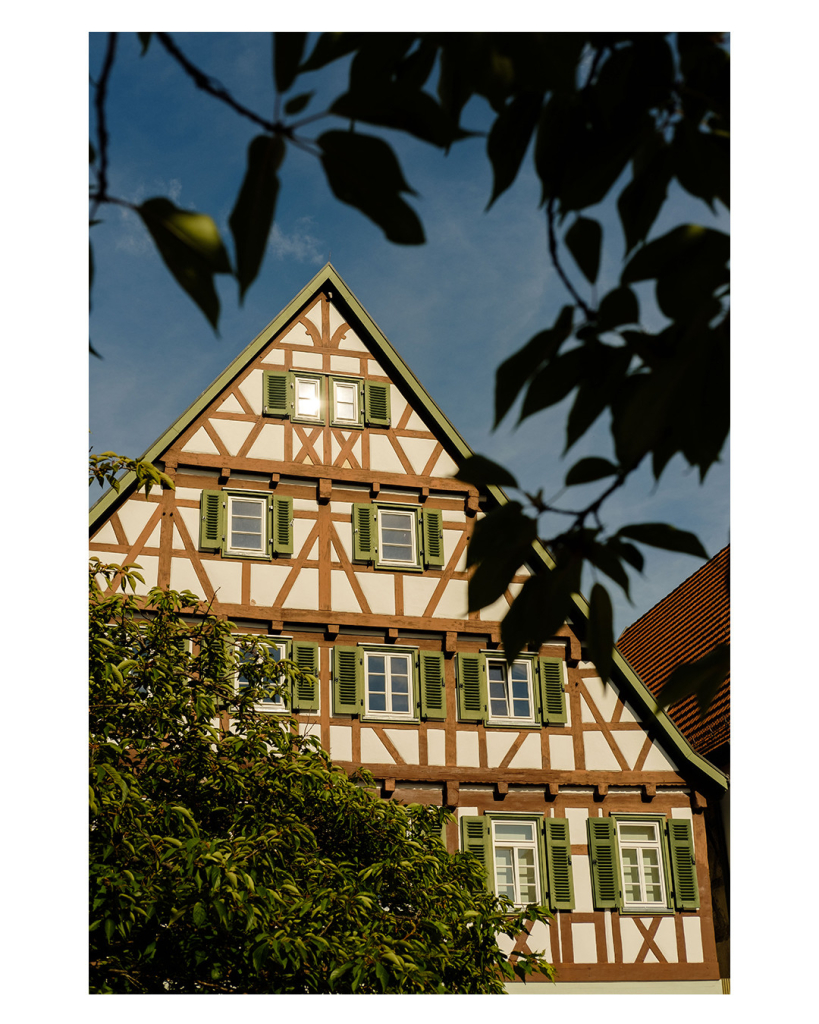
x: 559, y: 863
x: 277, y: 393
x: 433, y: 536
x: 471, y: 687
x: 551, y: 691
x: 212, y: 520
x: 306, y: 691
x: 364, y: 533
x: 376, y: 403
x: 280, y: 525
x: 604, y: 861
x: 348, y: 686
x: 475, y: 839
x: 683, y: 868
x: 433, y: 698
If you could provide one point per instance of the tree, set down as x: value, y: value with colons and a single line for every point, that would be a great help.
x: 228, y: 854
x: 590, y: 107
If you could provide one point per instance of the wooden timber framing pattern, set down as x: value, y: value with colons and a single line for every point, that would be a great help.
x: 613, y: 754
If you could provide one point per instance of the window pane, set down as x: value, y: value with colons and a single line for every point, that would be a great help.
x: 376, y: 663
x: 307, y: 397
x: 639, y: 832
x: 345, y: 402
x: 505, y: 881
x: 515, y: 831
x: 520, y: 708
x: 526, y: 876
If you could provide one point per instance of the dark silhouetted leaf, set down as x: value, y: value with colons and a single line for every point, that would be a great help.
x: 298, y: 103
x: 675, y: 250
x: 600, y: 638
x: 92, y: 153
x: 503, y: 532
x: 607, y: 558
x: 145, y: 39
x: 641, y: 200
x: 364, y: 172
x: 332, y: 46
x: 480, y: 471
x: 288, y: 49
x: 663, y: 535
x: 417, y: 66
x: 393, y: 105
x: 490, y: 580
x: 627, y: 552
x: 551, y: 384
x: 702, y: 163
x: 540, y: 609
x: 513, y: 373
x: 509, y: 138
x: 583, y: 240
x: 617, y: 307
x: 589, y: 469
x: 252, y: 216
x: 192, y: 249
x: 702, y: 677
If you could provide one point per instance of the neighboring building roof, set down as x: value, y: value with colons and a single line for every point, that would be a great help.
x: 683, y: 627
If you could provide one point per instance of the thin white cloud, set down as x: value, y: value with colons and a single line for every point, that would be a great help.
x: 300, y: 246
x: 133, y: 238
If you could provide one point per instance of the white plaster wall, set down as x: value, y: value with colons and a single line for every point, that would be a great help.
x: 297, y: 335
x: 188, y: 494
x: 417, y: 592
x: 183, y: 577
x: 397, y: 401
x: 584, y: 943
x: 305, y: 505
x: 266, y: 582
x: 382, y: 455
x: 405, y: 742
x: 496, y: 611
x: 631, y: 938
x: 497, y: 746
x: 451, y: 516
x: 540, y: 939
x: 444, y: 467
x: 345, y: 364
x: 252, y: 388
x: 379, y: 589
x: 342, y: 596
x: 149, y: 568
x: 269, y: 444
x: 577, y: 817
x: 692, y: 932
x: 466, y: 749
x: 418, y: 451
x: 599, y: 755
x: 134, y: 516
x: 373, y: 750
x: 190, y: 517
x: 351, y: 342
x: 607, y: 916
x: 586, y: 713
x: 453, y: 602
x: 304, y: 593
x: 301, y: 531
x: 451, y: 540
x: 666, y: 939
x: 506, y: 943
x: 415, y: 422
x: 343, y: 508
x: 603, y: 694
x: 436, y: 746
x: 561, y: 753
x: 630, y: 743
x: 341, y: 742
x: 686, y: 813
x: 230, y: 404
x: 106, y: 534
x: 656, y: 761
x: 464, y: 812
x: 344, y: 533
x: 628, y: 714
x: 307, y: 361
x: 314, y: 315
x: 581, y: 874
x: 529, y: 755
x: 201, y: 444
x: 226, y: 579
x: 274, y: 357
x: 233, y: 433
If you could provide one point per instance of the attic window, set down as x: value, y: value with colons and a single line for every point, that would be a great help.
x: 308, y: 398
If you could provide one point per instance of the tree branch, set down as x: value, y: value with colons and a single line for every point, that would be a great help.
x: 102, y: 130
x: 550, y: 212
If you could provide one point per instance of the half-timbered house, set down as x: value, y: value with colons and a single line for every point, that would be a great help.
x: 316, y: 504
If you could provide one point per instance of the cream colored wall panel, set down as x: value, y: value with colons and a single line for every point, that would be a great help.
x: 269, y: 444
x: 341, y: 742
x: 515, y: 589
x: 342, y: 596
x: 684, y: 812
x: 436, y: 746
x: 631, y: 938
x: 312, y: 554
x: 599, y: 755
x: 226, y: 579
x: 379, y: 589
x: 603, y: 694
x: 304, y: 593
x: 183, y: 577
x: 630, y: 744
x: 373, y: 750
x: 106, y: 535
x: 497, y: 746
x: 607, y: 917
x: 581, y: 874
x: 311, y: 728
x: 453, y: 603
x: 692, y: 932
x: 345, y: 364
x: 305, y: 505
x: 561, y: 753
x: 529, y: 755
x: 464, y: 812
x: 335, y: 318
x: 357, y: 450
x: 201, y: 444
x: 540, y: 939
x: 314, y: 315
x: 187, y: 494
x: 493, y: 612
x: 466, y: 749
x: 415, y: 422
x: 233, y: 433
x: 149, y: 567
x: 351, y: 342
x: 134, y: 516
x: 657, y: 761
x: 666, y: 939
x: 405, y: 742
x: 190, y: 517
x: 230, y: 404
x: 397, y: 401
x: 382, y: 455
x: 577, y: 818
x: 342, y: 508
x: 417, y: 592
x: 628, y: 714
x: 375, y: 369
x: 335, y: 448
x: 444, y: 467
x: 451, y: 540
x: 152, y: 541
x: 274, y: 357
x: 584, y: 943
x: 586, y: 714
x: 307, y: 361
x: 418, y: 451
x: 301, y: 531
x: 505, y: 943
x: 585, y: 664
x: 297, y: 335
x: 265, y: 583
x: 252, y: 387
x: 451, y: 516
x: 344, y: 533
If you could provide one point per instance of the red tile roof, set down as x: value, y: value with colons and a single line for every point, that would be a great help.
x: 684, y: 626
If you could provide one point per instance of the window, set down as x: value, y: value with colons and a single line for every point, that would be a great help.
x: 398, y: 536
x: 304, y: 396
x: 527, y: 858
x: 528, y: 692
x: 643, y: 863
x: 345, y: 402
x: 298, y: 694
x: 388, y: 682
x: 246, y: 524
x: 308, y: 399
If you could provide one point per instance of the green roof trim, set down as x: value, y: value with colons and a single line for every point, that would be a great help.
x: 328, y: 279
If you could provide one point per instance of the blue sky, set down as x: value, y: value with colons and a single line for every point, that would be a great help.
x: 454, y: 308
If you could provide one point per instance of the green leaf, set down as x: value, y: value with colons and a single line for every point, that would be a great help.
x: 540, y: 609
x: 663, y: 535
x: 617, y: 307
x: 363, y: 171
x: 288, y: 49
x: 480, y: 471
x: 253, y: 214
x: 600, y: 639
x: 192, y: 249
x: 514, y: 372
x: 298, y: 103
x: 490, y: 581
x: 199, y: 914
x: 589, y: 469
x: 584, y: 240
x: 509, y: 139
x: 702, y: 677
x: 145, y: 39
x: 502, y: 532
x: 551, y: 384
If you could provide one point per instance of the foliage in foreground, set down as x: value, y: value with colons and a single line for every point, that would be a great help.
x: 242, y: 860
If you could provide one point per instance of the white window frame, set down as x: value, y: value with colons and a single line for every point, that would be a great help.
x: 337, y: 382
x: 492, y: 719
x: 499, y: 842
x: 318, y: 381
x: 387, y: 653
x: 657, y: 844
x: 262, y: 500
x: 271, y: 705
x: 412, y: 515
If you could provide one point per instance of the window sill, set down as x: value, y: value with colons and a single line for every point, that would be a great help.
x: 490, y: 724
x: 661, y: 912
x: 396, y: 720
